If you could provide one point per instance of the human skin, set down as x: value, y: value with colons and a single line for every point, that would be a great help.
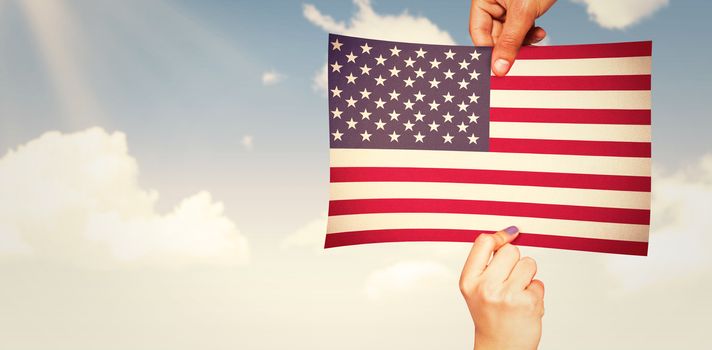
x: 505, y: 301
x: 506, y: 25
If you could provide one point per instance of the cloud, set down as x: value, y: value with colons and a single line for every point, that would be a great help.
x: 271, y: 77
x: 311, y: 235
x: 75, y: 198
x: 679, y: 241
x: 369, y: 24
x: 620, y: 14
x: 407, y: 277
x: 248, y: 142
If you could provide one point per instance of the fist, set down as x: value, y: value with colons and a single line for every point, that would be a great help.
x: 505, y: 301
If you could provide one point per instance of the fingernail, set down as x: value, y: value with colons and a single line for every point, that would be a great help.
x: 511, y: 230
x: 501, y: 66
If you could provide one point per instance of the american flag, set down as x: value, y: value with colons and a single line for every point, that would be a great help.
x: 426, y: 145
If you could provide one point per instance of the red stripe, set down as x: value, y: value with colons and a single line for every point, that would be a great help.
x: 581, y: 148
x: 630, y: 49
x: 447, y: 235
x: 494, y: 177
x: 461, y: 206
x: 607, y: 82
x: 583, y: 116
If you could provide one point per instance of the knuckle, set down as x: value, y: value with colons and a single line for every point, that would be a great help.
x: 484, y: 240
x: 529, y: 263
x: 489, y: 293
x: 509, y: 249
x: 508, y: 41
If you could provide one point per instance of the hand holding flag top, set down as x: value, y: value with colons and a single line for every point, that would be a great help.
x: 506, y: 25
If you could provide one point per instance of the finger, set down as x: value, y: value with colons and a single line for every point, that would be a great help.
x: 496, y: 30
x: 535, y: 35
x: 520, y: 17
x: 503, y: 261
x: 480, y: 26
x: 522, y: 273
x: 484, y: 246
x: 536, y: 287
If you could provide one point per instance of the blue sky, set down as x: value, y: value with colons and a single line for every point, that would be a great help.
x: 182, y: 80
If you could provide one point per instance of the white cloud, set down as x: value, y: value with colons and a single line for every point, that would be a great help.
x: 679, y: 241
x: 75, y: 198
x: 248, y: 142
x: 311, y: 235
x: 407, y: 277
x: 272, y: 77
x: 620, y: 14
x: 369, y: 24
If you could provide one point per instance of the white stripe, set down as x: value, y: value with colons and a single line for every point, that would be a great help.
x: 629, y: 166
x: 565, y: 131
x: 569, y: 228
x: 486, y: 192
x: 584, y: 99
x: 582, y: 66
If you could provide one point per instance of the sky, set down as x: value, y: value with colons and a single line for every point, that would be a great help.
x: 164, y: 171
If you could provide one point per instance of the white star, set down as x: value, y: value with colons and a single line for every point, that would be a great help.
x: 419, y: 96
x: 420, y: 73
x: 337, y: 113
x: 351, y: 79
x: 463, y: 106
x: 336, y: 91
x: 421, y: 53
x: 394, y: 95
x: 462, y: 127
x: 435, y: 63
x: 448, y: 138
x: 380, y: 124
x: 336, y: 45
x: 473, y: 118
x: 448, y: 97
x: 394, y: 115
x: 365, y: 48
x: 366, y: 136
x: 380, y: 80
x: 395, y: 51
x: 475, y: 55
x: 351, y: 57
x: 380, y: 103
x: 351, y: 102
x: 449, y: 74
x: 434, y: 126
x: 474, y: 75
x: 434, y: 105
x: 408, y: 104
x: 337, y: 135
x: 380, y: 60
x: 463, y: 84
x: 464, y: 64
x: 365, y: 114
x: 448, y: 117
x: 449, y: 55
x: 408, y: 125
x: 434, y: 83
x: 473, y: 98
x: 336, y: 67
x: 409, y: 82
x: 365, y: 69
x: 419, y: 116
x: 352, y: 123
x: 409, y: 62
x: 394, y: 136
x: 394, y: 71
x: 473, y: 139
x: 365, y: 94
x: 419, y: 137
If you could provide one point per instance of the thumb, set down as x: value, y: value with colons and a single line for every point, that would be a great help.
x: 520, y: 18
